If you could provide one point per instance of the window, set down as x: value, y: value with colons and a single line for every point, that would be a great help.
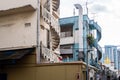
x: 66, y: 47
x: 66, y: 30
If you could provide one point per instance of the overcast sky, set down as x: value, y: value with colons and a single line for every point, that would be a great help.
x: 105, y: 12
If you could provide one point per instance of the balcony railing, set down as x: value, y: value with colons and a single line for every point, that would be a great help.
x: 66, y: 51
x: 66, y: 34
x: 94, y: 25
x: 50, y: 19
x: 48, y: 54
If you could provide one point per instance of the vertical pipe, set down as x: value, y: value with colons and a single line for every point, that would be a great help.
x: 38, y: 33
x: 87, y: 65
x: 80, y: 27
x: 118, y: 53
x: 51, y: 48
x: 86, y: 7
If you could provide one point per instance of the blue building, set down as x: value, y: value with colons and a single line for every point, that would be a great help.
x: 111, y: 55
x: 118, y: 51
x: 80, y: 42
x: 69, y: 41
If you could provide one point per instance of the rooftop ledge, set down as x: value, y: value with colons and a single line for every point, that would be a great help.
x: 17, y: 10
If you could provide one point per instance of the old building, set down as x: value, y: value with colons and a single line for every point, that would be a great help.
x: 29, y: 33
x: 29, y: 27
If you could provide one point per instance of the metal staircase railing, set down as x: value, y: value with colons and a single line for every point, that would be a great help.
x: 94, y: 25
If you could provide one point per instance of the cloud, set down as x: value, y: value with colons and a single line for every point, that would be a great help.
x: 106, y: 14
x: 98, y: 8
x: 100, y: 1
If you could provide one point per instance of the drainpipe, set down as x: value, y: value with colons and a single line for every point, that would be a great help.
x: 38, y: 33
x: 50, y: 30
x: 80, y: 26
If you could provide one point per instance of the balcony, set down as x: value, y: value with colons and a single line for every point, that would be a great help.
x: 66, y: 38
x: 66, y: 34
x: 66, y: 51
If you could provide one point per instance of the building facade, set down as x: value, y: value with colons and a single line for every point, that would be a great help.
x: 110, y: 58
x: 29, y: 27
x: 118, y: 52
x: 29, y: 35
x: 69, y: 41
x: 74, y: 36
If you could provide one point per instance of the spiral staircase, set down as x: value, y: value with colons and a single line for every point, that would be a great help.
x: 94, y: 26
x: 55, y: 4
x: 55, y: 38
x: 53, y: 23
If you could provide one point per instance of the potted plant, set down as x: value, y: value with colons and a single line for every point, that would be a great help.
x: 90, y: 39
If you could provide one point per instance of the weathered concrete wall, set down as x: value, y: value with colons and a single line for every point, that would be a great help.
x: 18, y: 30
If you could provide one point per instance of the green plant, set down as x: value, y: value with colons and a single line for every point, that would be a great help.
x: 90, y: 39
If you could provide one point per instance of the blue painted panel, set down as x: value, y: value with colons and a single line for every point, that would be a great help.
x: 68, y: 20
x: 68, y: 60
x: 85, y: 17
x: 75, y: 51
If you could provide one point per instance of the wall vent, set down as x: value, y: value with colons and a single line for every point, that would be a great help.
x: 27, y: 24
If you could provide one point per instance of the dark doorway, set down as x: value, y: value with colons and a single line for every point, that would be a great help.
x: 3, y: 76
